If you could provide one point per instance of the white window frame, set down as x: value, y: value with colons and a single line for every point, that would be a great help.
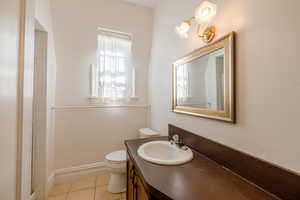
x: 95, y: 75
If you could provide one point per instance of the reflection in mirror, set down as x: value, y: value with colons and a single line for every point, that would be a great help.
x: 200, y: 82
x: 203, y: 81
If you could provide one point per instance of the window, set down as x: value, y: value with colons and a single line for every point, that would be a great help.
x: 113, y: 72
x: 183, y: 83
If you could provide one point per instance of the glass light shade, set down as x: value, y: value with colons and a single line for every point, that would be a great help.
x: 183, y: 29
x: 205, y: 12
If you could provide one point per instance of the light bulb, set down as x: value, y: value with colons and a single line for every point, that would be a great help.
x: 185, y: 26
x: 205, y: 12
x: 183, y: 29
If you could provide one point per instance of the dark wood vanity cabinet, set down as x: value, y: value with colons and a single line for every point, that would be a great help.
x: 130, y: 181
x: 135, y: 187
x: 207, y: 176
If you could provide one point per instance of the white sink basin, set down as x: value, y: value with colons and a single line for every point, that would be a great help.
x: 164, y: 153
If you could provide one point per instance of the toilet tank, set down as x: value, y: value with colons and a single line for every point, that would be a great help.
x: 148, y: 132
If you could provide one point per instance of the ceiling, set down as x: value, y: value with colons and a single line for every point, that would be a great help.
x: 147, y: 3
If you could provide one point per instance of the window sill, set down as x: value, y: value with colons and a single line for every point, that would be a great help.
x: 93, y: 100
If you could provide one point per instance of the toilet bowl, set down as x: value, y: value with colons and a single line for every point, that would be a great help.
x: 116, y: 164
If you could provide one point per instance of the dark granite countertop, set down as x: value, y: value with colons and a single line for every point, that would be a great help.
x: 200, y: 179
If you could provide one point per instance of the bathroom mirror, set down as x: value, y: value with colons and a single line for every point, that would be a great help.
x: 203, y: 81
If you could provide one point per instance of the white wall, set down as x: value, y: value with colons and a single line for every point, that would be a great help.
x: 85, y: 136
x: 268, y: 82
x: 9, y: 34
x: 91, y: 130
x: 75, y: 26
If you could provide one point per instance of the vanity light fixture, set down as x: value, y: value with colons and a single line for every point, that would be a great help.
x: 204, y: 14
x: 184, y: 28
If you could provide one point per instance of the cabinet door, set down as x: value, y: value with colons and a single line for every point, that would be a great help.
x: 130, y: 194
x: 140, y: 190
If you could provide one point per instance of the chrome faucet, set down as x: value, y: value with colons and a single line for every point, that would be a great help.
x: 175, y: 140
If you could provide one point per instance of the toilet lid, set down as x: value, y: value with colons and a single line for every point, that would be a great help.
x: 148, y: 131
x: 117, y: 156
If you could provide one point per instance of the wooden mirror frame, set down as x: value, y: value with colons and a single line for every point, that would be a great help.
x: 228, y: 115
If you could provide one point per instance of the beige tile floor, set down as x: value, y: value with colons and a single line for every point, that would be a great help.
x: 93, y: 188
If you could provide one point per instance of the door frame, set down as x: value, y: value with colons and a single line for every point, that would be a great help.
x: 24, y: 99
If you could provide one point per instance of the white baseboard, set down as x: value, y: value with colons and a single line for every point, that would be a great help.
x: 78, y: 172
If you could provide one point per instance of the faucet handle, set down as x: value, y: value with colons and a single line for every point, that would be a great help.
x: 175, y: 138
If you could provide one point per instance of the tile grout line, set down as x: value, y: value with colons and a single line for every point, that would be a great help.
x: 68, y: 192
x: 95, y: 187
x: 67, y: 195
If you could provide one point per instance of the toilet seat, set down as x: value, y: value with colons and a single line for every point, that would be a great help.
x: 116, y: 157
x: 115, y: 163
x: 148, y: 133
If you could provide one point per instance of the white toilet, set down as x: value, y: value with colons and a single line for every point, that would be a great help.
x: 116, y: 164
